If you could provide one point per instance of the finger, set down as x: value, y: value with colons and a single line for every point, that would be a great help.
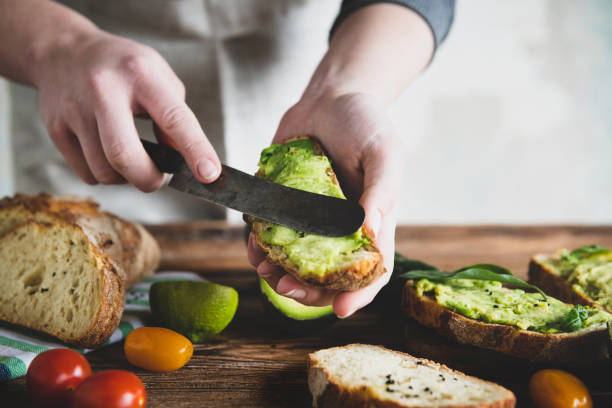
x: 255, y: 254
x: 68, y: 145
x: 382, y: 175
x: 270, y: 273
x: 180, y: 129
x: 89, y: 139
x: 290, y: 287
x: 122, y: 147
x: 347, y: 303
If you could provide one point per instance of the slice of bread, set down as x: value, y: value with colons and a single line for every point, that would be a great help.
x: 360, y: 375
x: 357, y: 270
x: 53, y: 279
x: 582, y: 345
x: 541, y: 275
x: 129, y: 245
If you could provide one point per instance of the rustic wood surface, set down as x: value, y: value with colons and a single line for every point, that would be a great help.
x: 254, y: 364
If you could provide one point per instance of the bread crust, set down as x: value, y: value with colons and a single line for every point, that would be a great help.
x: 556, y: 286
x: 112, y: 297
x: 355, y: 276
x: 129, y: 245
x: 336, y: 395
x: 583, y: 345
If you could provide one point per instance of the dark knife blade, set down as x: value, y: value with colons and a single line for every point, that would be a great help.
x: 300, y: 210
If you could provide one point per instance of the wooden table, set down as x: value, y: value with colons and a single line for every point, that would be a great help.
x: 252, y: 364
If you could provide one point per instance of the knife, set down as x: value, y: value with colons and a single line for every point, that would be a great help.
x: 297, y: 209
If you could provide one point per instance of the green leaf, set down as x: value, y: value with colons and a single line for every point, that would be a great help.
x: 574, y: 319
x: 403, y: 264
x: 584, y: 252
x: 486, y: 272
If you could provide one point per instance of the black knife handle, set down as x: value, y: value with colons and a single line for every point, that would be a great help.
x: 165, y: 158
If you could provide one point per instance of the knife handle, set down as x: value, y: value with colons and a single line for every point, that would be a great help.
x: 165, y: 158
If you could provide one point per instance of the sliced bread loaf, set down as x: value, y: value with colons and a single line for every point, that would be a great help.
x: 53, y: 279
x: 360, y: 375
x: 582, y: 345
x: 129, y: 245
x: 348, y: 269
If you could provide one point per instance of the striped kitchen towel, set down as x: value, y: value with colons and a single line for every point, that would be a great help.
x: 18, y: 347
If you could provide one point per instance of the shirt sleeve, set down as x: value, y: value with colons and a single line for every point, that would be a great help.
x: 438, y: 14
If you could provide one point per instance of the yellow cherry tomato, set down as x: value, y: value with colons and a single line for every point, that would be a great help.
x: 558, y: 389
x: 157, y: 349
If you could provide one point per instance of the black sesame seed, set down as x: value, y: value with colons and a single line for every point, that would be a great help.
x: 43, y: 290
x: 54, y: 273
x: 410, y: 386
x: 535, y: 305
x: 426, y: 389
x: 419, y: 362
x: 495, y: 306
x: 389, y: 390
x: 389, y: 382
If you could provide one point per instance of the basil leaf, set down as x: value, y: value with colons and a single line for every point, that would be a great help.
x: 574, y: 319
x: 584, y: 252
x: 426, y: 274
x: 403, y: 264
x: 490, y: 267
x: 487, y: 272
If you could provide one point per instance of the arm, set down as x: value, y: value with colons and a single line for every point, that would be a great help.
x: 91, y: 84
x: 375, y: 53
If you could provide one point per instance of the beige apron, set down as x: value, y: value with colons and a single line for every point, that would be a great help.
x: 243, y: 62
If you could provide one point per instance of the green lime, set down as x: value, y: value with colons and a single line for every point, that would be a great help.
x: 198, y: 310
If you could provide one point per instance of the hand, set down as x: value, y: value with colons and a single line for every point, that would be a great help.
x: 90, y: 91
x: 365, y: 152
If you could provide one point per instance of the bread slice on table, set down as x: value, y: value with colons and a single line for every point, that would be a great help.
x: 361, y: 375
x: 541, y: 275
x: 53, y: 279
x: 582, y: 345
x: 128, y: 244
x: 358, y: 269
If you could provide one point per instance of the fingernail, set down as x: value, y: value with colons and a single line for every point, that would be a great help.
x: 297, y: 294
x: 349, y: 314
x: 207, y: 169
x: 374, y: 223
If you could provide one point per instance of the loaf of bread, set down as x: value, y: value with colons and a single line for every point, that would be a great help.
x: 352, y: 269
x: 360, y: 375
x: 65, y: 266
x: 128, y: 244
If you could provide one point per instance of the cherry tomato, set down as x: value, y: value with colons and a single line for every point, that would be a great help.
x: 110, y: 389
x: 558, y: 389
x: 157, y: 349
x: 54, y: 374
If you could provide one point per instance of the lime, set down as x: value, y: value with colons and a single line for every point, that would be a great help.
x: 198, y: 310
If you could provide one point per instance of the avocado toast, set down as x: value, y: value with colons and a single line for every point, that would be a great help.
x: 583, y: 276
x: 344, y: 263
x: 512, y: 321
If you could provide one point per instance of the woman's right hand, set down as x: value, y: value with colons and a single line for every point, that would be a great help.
x: 91, y: 89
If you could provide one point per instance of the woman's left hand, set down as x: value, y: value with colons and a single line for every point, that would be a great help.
x: 366, y: 153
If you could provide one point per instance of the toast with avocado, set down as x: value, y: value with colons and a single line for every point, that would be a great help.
x: 342, y: 263
x: 582, y: 276
x: 361, y: 375
x: 487, y: 314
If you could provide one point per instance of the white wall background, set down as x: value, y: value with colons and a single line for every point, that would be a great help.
x: 512, y: 122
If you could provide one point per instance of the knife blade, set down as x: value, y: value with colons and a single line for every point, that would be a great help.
x: 297, y: 209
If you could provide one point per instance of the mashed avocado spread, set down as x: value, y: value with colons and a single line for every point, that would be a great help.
x: 296, y: 165
x: 589, y: 275
x: 490, y: 302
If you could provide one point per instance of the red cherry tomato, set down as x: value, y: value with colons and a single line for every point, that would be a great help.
x: 54, y: 374
x: 110, y: 389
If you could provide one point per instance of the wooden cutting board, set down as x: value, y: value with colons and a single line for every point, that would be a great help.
x: 252, y: 363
